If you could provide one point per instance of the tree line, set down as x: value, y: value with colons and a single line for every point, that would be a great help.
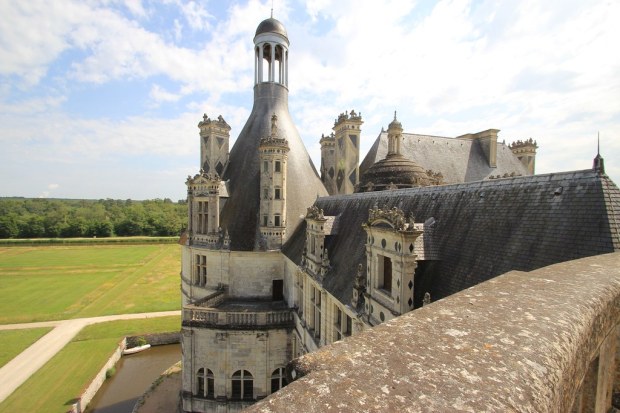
x: 69, y: 218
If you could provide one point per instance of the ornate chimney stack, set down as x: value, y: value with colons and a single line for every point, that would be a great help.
x: 525, y: 151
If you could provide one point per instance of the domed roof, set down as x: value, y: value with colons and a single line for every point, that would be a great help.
x: 393, y: 172
x: 271, y: 25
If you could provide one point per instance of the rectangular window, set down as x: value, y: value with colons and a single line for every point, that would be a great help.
x: 265, y: 193
x: 265, y: 166
x: 264, y: 220
x: 276, y: 220
x: 277, y: 193
x: 277, y: 166
x: 387, y: 274
x: 200, y: 278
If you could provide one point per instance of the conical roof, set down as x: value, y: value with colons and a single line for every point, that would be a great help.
x: 303, y: 185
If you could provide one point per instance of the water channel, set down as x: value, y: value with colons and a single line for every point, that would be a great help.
x: 134, y: 375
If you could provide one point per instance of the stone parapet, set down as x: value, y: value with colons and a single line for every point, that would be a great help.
x: 543, y: 341
x: 224, y: 319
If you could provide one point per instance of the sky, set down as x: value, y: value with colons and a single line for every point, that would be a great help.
x: 101, y: 99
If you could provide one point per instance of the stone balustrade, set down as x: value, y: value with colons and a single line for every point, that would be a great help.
x: 543, y: 341
x: 226, y: 319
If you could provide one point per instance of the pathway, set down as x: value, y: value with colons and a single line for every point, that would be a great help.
x: 18, y: 370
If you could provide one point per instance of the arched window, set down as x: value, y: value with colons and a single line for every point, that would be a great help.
x: 278, y: 379
x: 242, y: 385
x: 200, y: 381
x: 205, y: 384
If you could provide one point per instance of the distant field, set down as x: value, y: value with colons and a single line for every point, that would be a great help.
x: 16, y: 341
x: 55, y: 386
x: 60, y: 282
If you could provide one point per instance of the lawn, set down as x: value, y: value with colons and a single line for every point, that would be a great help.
x: 16, y: 341
x: 54, y: 283
x: 57, y: 384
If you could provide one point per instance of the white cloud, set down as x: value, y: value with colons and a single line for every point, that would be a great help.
x: 532, y: 69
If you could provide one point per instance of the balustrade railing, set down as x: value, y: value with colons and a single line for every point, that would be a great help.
x: 232, y: 319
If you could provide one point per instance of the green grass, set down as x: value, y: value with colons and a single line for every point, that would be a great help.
x: 90, y: 241
x: 16, y: 341
x: 53, y: 282
x: 57, y: 384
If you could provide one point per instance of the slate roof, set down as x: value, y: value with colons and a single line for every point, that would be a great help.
x: 242, y: 173
x: 483, y: 229
x: 458, y: 159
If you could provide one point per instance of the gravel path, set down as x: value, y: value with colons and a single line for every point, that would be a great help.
x: 18, y: 370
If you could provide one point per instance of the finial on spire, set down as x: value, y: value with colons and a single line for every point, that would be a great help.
x: 272, y: 9
x: 394, y: 115
x: 599, y: 162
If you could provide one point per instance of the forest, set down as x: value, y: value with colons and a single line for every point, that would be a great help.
x: 70, y: 218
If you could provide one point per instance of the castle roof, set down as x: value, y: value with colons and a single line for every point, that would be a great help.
x: 482, y: 229
x: 459, y: 160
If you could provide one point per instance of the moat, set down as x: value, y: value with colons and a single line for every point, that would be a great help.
x: 134, y: 375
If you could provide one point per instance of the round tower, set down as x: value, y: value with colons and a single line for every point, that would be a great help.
x: 241, y: 214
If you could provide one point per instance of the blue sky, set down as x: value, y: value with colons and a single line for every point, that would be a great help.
x: 101, y: 99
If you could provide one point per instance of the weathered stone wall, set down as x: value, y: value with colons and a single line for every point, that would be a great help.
x: 224, y: 352
x: 521, y: 342
x: 252, y: 273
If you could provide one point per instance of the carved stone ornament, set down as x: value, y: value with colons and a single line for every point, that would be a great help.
x: 395, y: 217
x: 314, y: 212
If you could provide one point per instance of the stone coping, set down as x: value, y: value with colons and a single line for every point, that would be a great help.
x: 519, y: 342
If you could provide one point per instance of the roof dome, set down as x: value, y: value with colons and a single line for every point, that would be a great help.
x: 271, y: 25
x: 393, y: 172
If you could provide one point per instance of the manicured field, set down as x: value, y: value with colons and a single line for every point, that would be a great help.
x: 16, y: 341
x: 54, y: 283
x: 57, y: 384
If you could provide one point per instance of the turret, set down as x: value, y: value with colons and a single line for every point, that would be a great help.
x: 525, y: 151
x: 273, y: 150
x: 214, y: 138
x: 347, y: 130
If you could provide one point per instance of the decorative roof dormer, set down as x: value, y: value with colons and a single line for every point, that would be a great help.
x: 315, y: 259
x: 391, y: 255
x: 204, y: 191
